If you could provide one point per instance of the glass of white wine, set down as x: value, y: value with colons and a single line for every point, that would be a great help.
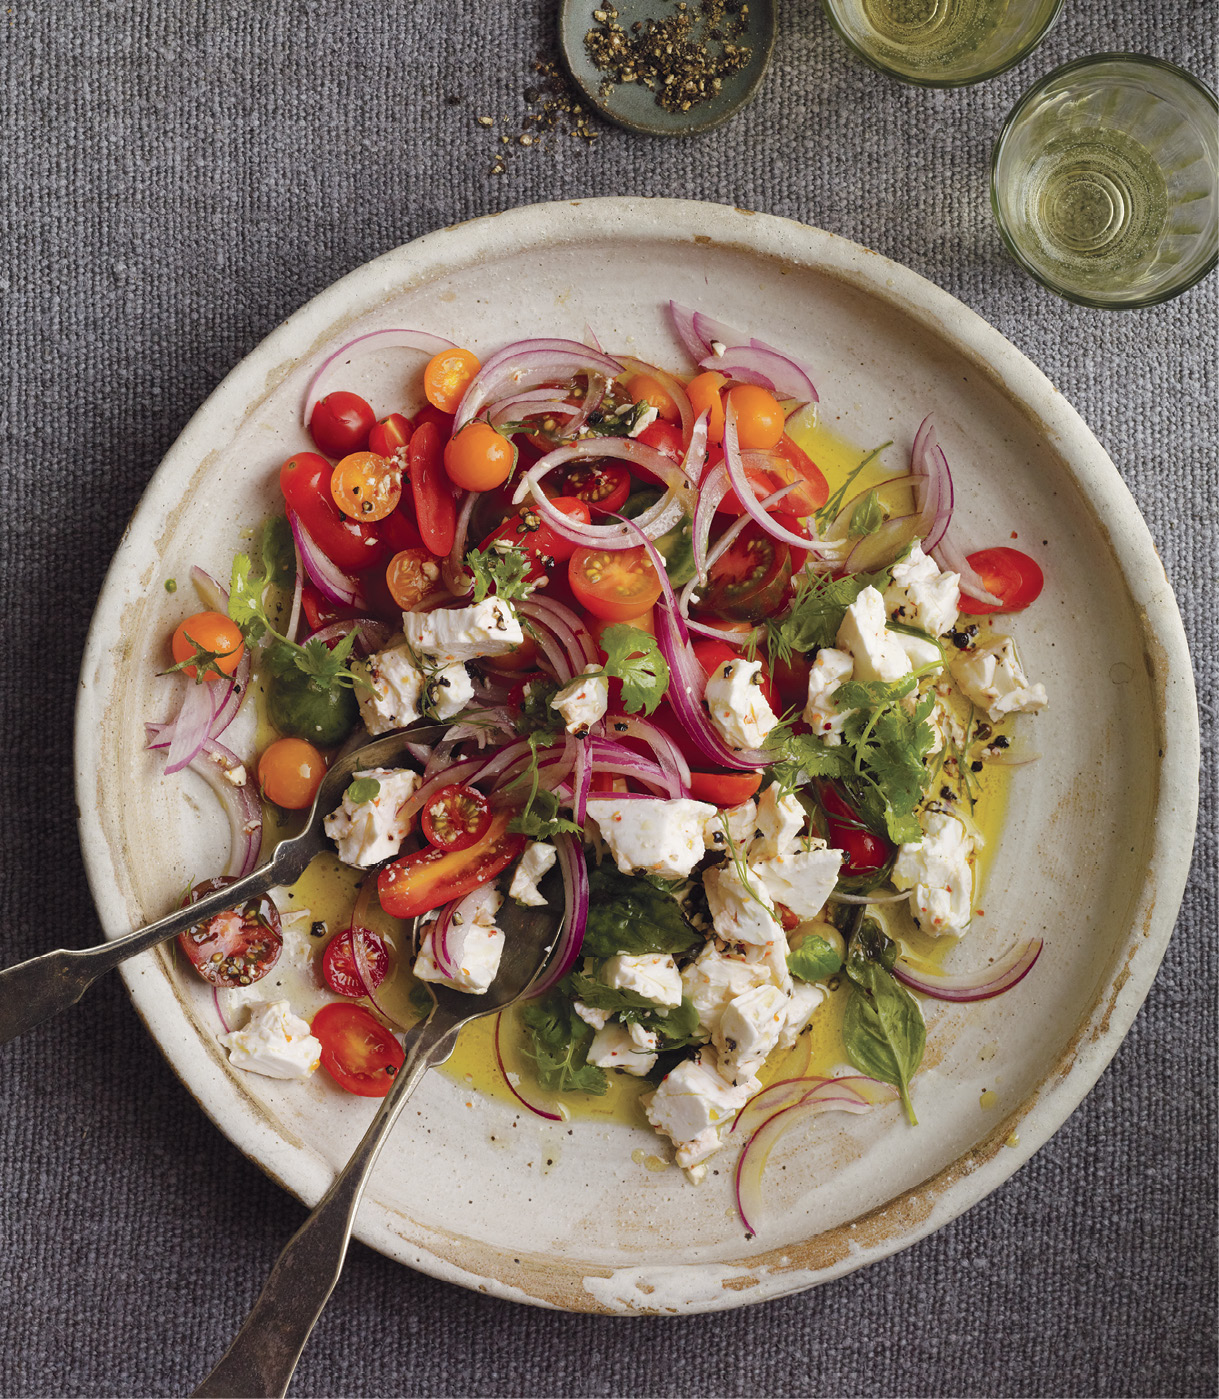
x: 1105, y: 181
x: 942, y: 43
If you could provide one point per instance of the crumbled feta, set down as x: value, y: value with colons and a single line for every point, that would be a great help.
x: 613, y: 1048
x: 802, y: 880
x: 714, y: 978
x: 737, y: 705
x: 584, y: 701
x: 653, y: 975
x: 876, y: 651
x: 780, y: 821
x: 920, y: 651
x: 830, y: 669
x: 644, y: 421
x: 805, y: 997
x: 591, y: 1015
x: 366, y: 833
x: 742, y: 822
x: 937, y: 870
x: 771, y: 959
x: 236, y: 775
x: 534, y: 863
x: 643, y: 1038
x: 449, y: 690
x: 488, y: 628
x: 654, y: 834
x: 921, y: 596
x: 993, y: 679
x: 477, y: 946
x: 390, y: 699
x: 693, y: 1102
x: 739, y: 912
x: 748, y: 1030
x: 275, y: 1043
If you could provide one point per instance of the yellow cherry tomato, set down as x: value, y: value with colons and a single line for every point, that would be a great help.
x: 290, y: 772
x: 447, y: 377
x: 366, y: 487
x: 479, y: 458
x: 411, y: 576
x: 704, y: 394
x: 644, y: 388
x: 212, y: 641
x: 759, y: 418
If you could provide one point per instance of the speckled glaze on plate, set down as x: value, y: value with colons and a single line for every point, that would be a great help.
x: 1094, y: 854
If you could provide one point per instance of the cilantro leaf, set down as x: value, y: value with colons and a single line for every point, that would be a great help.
x: 363, y: 789
x: 559, y: 1042
x: 633, y: 656
x: 536, y: 716
x: 816, y: 612
x: 278, y: 553
x: 602, y: 997
x: 814, y: 959
x: 627, y: 914
x: 503, y: 569
x: 540, y: 819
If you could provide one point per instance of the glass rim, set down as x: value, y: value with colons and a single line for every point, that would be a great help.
x: 1018, y: 56
x: 1117, y: 303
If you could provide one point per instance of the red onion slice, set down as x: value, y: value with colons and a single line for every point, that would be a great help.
x: 211, y: 594
x: 756, y: 364
x: 371, y: 634
x: 933, y: 495
x: 712, y: 332
x: 568, y: 631
x: 787, y: 1092
x: 528, y: 364
x: 234, y: 696
x: 557, y: 612
x: 882, y: 546
x: 364, y: 344
x: 581, y: 784
x: 668, y: 754
x: 575, y: 917
x: 683, y: 323
x: 241, y: 804
x: 672, y: 385
x: 952, y: 559
x: 191, y: 725
x: 512, y: 1088
x: 328, y: 578
x: 1000, y: 976
x: 453, y: 572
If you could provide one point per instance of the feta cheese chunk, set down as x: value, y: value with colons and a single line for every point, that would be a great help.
x: 802, y: 880
x: 780, y: 821
x: 653, y: 834
x: 830, y: 669
x: 391, y: 698
x: 876, y: 651
x: 921, y: 596
x: 920, y: 651
x: 740, y: 913
x: 476, y: 946
x: 534, y: 863
x: 644, y: 421
x: 805, y: 997
x: 584, y: 701
x: 693, y: 1102
x: 715, y: 978
x: 366, y: 833
x: 738, y: 707
x: 653, y: 975
x: 613, y: 1048
x: 449, y: 690
x: 275, y: 1043
x: 748, y: 1030
x: 742, y: 823
x: 591, y: 1015
x: 938, y: 871
x: 488, y: 628
x: 993, y: 679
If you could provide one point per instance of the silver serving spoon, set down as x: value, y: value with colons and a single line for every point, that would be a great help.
x: 34, y: 991
x: 262, y: 1358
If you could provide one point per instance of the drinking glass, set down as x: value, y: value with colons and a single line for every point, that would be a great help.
x: 1104, y: 180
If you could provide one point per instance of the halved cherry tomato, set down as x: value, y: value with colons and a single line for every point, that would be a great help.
x: 289, y: 773
x: 705, y: 397
x: 523, y: 658
x: 749, y: 580
x: 602, y: 485
x: 339, y: 966
x: 456, y: 817
x: 646, y: 388
x: 724, y: 789
x: 791, y: 680
x: 527, y: 528
x: 411, y: 576
x: 434, y: 508
x: 810, y: 497
x: 711, y: 655
x: 1010, y: 574
x: 759, y: 418
x: 479, y: 458
x: 213, y: 641
x: 320, y: 611
x: 340, y: 423
x: 389, y: 435
x: 398, y: 530
x: 614, y: 583
x: 365, y: 486
x: 237, y: 947
x: 416, y: 883
x: 358, y: 1052
x: 447, y: 377
x: 866, y: 852
x: 665, y: 438
x: 443, y: 422
x: 305, y: 482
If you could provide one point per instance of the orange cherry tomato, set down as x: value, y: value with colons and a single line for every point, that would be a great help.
x: 212, y: 641
x: 645, y: 388
x: 1014, y: 578
x: 704, y: 394
x: 615, y: 584
x: 523, y: 658
x: 289, y: 772
x: 358, y: 1052
x: 413, y: 884
x: 759, y: 419
x: 479, y: 458
x: 366, y: 486
x: 646, y: 621
x: 447, y: 377
x: 411, y: 576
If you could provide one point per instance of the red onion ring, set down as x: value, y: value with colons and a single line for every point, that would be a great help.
x: 668, y: 754
x: 537, y: 403
x: 683, y: 323
x: 526, y: 364
x: 211, y: 594
x: 241, y: 805
x: 524, y: 1102
x: 374, y: 340
x: 190, y: 726
x: 712, y: 332
x: 234, y: 696
x: 756, y: 363
x: 575, y: 916
x: 672, y: 385
x: 547, y: 609
x: 1000, y: 976
x: 953, y: 559
x: 371, y: 634
x: 581, y: 785
x: 453, y: 572
x: 933, y: 492
x: 327, y: 577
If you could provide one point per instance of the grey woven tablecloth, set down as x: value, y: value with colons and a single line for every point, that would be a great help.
x: 178, y: 176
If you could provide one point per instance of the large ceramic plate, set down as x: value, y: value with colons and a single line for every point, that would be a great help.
x: 1093, y: 856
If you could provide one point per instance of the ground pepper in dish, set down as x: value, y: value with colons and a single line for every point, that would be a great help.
x: 683, y: 58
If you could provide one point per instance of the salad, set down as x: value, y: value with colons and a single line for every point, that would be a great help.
x: 752, y: 718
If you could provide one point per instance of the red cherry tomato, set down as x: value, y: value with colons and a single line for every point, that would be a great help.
x: 865, y: 851
x: 434, y: 509
x: 1010, y: 574
x: 816, y: 490
x: 237, y: 947
x: 416, y: 883
x: 616, y: 584
x: 351, y: 544
x: 358, y: 1052
x: 320, y: 611
x: 342, y: 972
x: 527, y: 528
x: 711, y: 655
x: 341, y: 423
x: 791, y: 680
x: 665, y: 438
x: 749, y: 580
x: 442, y: 422
x: 601, y: 485
x: 389, y: 435
x: 724, y: 789
x: 398, y: 531
x: 456, y: 817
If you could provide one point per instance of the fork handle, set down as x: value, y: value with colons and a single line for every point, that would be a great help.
x: 264, y: 1353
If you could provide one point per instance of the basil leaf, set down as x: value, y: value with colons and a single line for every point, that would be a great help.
x: 627, y: 914
x: 363, y: 789
x: 867, y: 517
x: 814, y: 959
x: 883, y: 1028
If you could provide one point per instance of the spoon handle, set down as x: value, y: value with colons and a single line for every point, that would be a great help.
x: 265, y: 1351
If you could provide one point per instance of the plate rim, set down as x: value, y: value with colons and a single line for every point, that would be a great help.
x: 908, y: 1218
